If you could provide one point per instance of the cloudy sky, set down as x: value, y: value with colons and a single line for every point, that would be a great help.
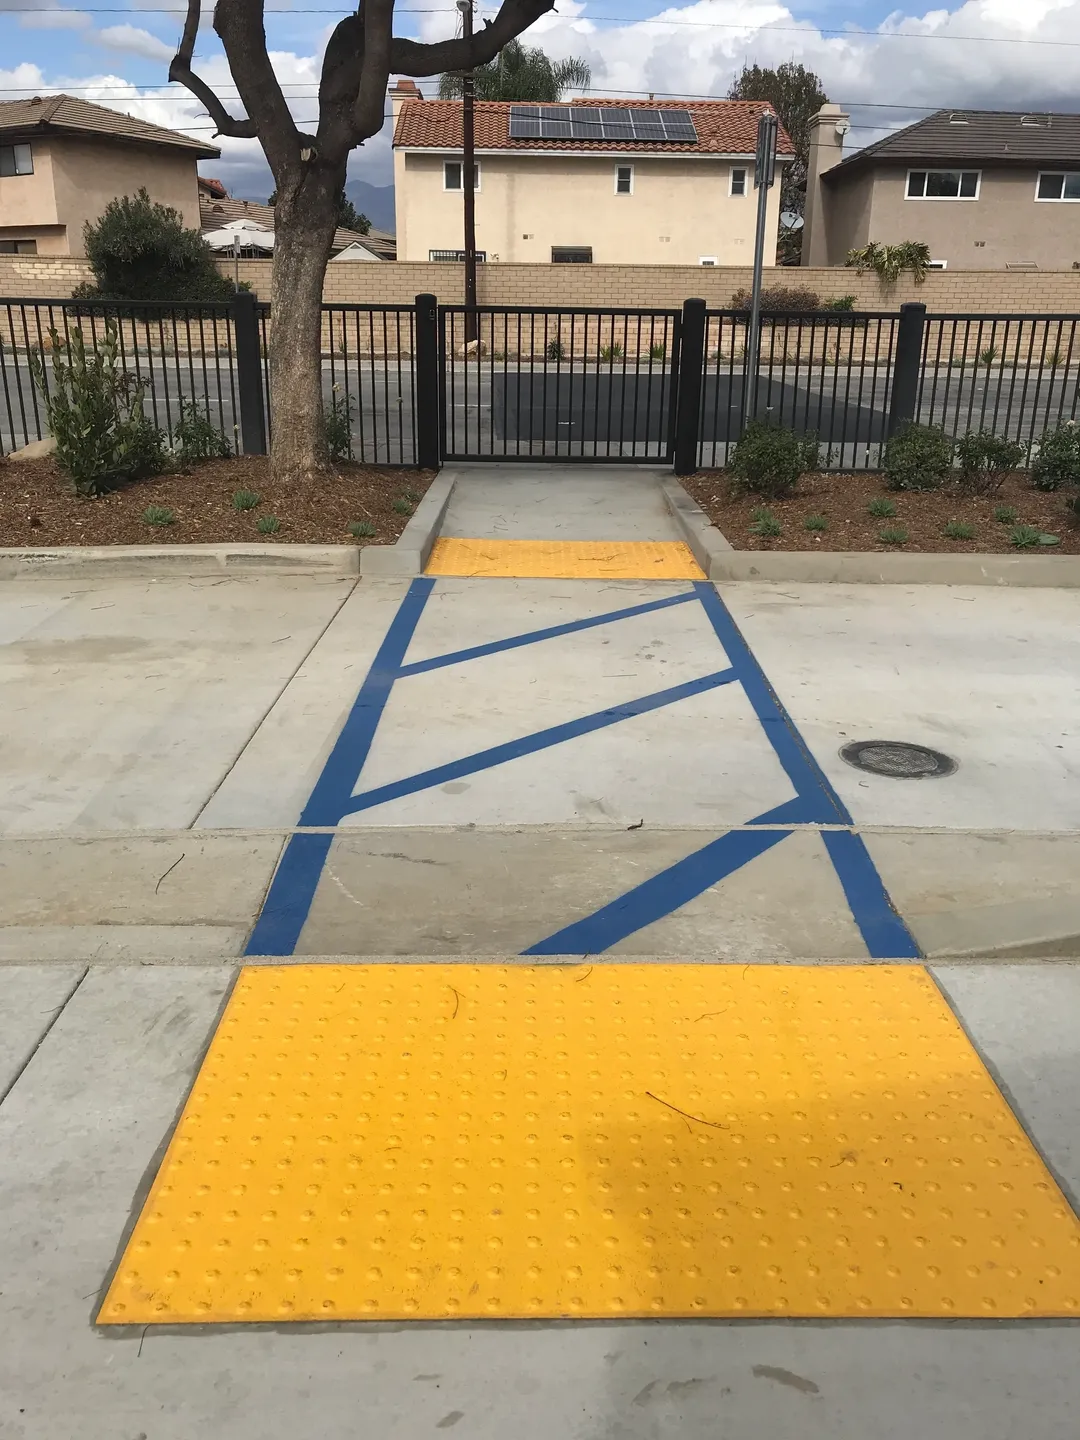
x: 887, y: 67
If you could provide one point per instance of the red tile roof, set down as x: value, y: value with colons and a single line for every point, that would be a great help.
x: 66, y: 114
x: 724, y: 127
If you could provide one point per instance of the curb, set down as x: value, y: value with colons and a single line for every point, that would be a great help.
x: 409, y: 556
x: 858, y: 567
x: 162, y: 561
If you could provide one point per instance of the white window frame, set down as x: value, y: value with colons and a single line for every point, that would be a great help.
x: 707, y: 260
x: 459, y: 189
x: 624, y: 166
x: 744, y: 171
x: 949, y: 199
x: 938, y: 265
x: 1061, y: 199
x: 22, y: 149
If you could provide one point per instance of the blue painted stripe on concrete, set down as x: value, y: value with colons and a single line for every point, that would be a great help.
x: 680, y: 883
x: 539, y: 740
x: 292, y: 890
x: 296, y: 879
x: 780, y: 730
x: 552, y: 632
x: 330, y: 799
x: 883, y: 930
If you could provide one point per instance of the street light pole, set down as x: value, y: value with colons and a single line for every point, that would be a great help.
x: 468, y: 170
x: 764, y: 174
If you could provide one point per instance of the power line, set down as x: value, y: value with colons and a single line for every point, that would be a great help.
x: 834, y: 32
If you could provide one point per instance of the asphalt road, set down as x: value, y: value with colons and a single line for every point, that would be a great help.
x: 521, y: 411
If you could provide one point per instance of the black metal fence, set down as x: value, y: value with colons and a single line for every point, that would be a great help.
x: 419, y: 384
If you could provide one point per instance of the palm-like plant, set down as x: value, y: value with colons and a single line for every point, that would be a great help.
x: 522, y: 72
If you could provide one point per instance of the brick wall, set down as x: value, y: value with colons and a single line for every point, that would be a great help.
x: 661, y: 286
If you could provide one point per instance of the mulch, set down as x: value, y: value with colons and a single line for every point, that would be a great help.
x: 38, y: 508
x: 843, y: 499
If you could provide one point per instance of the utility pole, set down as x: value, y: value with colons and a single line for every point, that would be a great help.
x: 468, y: 170
x: 764, y: 174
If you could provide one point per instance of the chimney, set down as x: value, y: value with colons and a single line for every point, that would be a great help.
x: 827, y: 130
x: 401, y: 91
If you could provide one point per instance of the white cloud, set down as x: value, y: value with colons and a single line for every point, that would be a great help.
x: 135, y: 41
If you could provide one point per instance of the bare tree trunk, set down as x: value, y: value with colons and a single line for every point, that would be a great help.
x: 303, y: 236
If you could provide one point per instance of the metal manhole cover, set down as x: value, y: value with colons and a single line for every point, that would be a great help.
x: 897, y: 759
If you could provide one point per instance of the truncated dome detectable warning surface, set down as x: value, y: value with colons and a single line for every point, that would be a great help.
x: 432, y: 1141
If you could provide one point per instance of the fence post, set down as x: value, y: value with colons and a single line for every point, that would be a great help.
x: 428, y: 424
x: 906, y: 366
x: 249, y: 377
x: 688, y: 395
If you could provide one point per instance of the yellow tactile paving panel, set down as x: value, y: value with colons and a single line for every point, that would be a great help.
x: 401, y: 1141
x: 565, y: 559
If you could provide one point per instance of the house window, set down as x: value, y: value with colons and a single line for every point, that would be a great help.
x: 16, y: 160
x: 453, y: 170
x: 624, y: 179
x: 707, y: 260
x: 738, y: 180
x: 1058, y: 186
x: 18, y: 247
x: 454, y: 257
x: 571, y: 254
x: 938, y: 265
x: 943, y: 184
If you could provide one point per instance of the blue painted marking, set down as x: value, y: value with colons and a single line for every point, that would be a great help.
x: 791, y: 749
x: 285, y: 909
x: 539, y: 740
x: 531, y: 637
x: 884, y: 932
x: 330, y: 797
x: 293, y: 887
x: 671, y: 888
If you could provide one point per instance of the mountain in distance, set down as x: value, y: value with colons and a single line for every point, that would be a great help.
x: 374, y: 201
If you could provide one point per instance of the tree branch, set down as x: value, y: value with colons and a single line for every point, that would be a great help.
x: 180, y: 70
x: 239, y: 24
x: 409, y: 57
x: 375, y: 70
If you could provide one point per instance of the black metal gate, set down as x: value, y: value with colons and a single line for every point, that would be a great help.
x: 532, y: 383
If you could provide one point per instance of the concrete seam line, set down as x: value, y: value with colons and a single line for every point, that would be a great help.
x: 871, y: 567
x: 262, y: 719
x: 45, y: 1033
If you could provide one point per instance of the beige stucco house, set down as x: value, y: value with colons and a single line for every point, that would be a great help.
x: 593, y: 181
x: 62, y: 160
x: 986, y: 190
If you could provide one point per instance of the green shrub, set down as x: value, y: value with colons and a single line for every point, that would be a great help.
x: 268, y: 525
x: 658, y: 351
x: 1024, y: 536
x: 893, y: 535
x: 338, y: 423
x: 1057, y: 461
x: 158, y: 515
x: 881, y: 509
x: 815, y: 522
x: 841, y: 302
x: 1004, y: 514
x: 402, y: 506
x: 959, y: 530
x: 764, y: 522
x: 918, y: 457
x: 889, y: 262
x: 140, y: 250
x: 778, y: 299
x: 612, y: 352
x: 985, y: 459
x: 361, y: 529
x: 245, y: 500
x: 555, y: 350
x: 196, y: 438
x: 769, y: 458
x: 95, y: 412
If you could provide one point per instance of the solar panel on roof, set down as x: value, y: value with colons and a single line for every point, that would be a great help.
x: 611, y: 123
